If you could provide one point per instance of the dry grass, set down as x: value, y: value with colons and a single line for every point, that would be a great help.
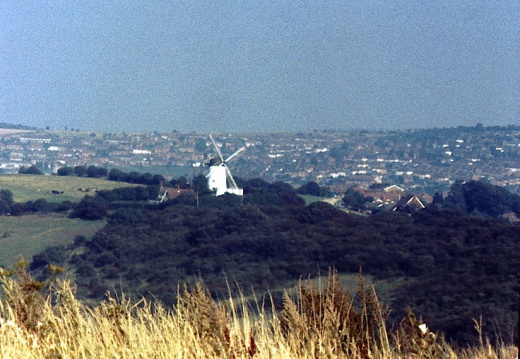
x: 45, y: 320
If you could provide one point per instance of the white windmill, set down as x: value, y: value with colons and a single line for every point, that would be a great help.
x: 220, y: 179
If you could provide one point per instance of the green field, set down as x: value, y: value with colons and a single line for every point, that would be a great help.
x: 29, y: 235
x: 32, y: 187
x: 311, y: 199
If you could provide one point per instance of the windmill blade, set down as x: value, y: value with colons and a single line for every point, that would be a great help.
x: 216, y: 147
x: 234, y: 154
x: 230, y: 178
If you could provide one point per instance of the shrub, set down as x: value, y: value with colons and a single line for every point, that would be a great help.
x: 334, y: 318
x: 65, y: 171
x: 89, y: 208
x: 23, y: 295
x: 32, y: 170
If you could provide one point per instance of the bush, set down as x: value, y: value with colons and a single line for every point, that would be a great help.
x: 52, y: 255
x: 333, y: 315
x: 313, y: 189
x: 89, y: 208
x: 96, y: 172
x: 354, y: 200
x: 65, y: 171
x: 7, y: 196
x: 33, y: 170
x: 80, y: 171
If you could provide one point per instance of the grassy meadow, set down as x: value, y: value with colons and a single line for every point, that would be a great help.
x: 32, y: 187
x: 310, y: 199
x: 30, y: 234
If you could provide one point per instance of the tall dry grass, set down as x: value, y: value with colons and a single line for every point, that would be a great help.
x: 45, y: 320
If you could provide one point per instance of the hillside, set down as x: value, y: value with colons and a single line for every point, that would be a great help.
x: 449, y: 267
x: 30, y: 234
x: 35, y: 212
x: 54, y: 188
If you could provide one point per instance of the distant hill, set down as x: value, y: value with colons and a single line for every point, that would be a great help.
x: 450, y: 267
x: 10, y: 126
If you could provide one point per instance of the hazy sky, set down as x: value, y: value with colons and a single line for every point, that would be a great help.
x: 259, y: 65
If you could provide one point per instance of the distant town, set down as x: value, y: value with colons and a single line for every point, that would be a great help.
x: 420, y: 161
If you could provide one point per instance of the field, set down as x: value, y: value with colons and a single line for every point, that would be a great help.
x: 309, y: 199
x: 29, y: 235
x: 67, y: 188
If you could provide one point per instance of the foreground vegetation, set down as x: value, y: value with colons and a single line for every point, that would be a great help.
x: 453, y: 262
x: 45, y: 320
x: 448, y: 266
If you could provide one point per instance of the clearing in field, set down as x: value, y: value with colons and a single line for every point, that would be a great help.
x: 29, y: 235
x: 54, y: 188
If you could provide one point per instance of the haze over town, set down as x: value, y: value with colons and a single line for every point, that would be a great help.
x: 252, y: 66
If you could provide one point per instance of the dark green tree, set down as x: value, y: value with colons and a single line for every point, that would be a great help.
x: 180, y: 182
x: 6, y: 196
x: 80, y: 171
x: 96, y: 172
x: 5, y: 208
x: 355, y: 200
x: 310, y: 188
x: 116, y: 175
x: 200, y: 184
x: 32, y: 170
x: 90, y: 209
x: 438, y: 199
x: 66, y: 171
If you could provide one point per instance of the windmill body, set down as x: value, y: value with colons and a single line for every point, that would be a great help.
x: 217, y: 181
x: 220, y: 179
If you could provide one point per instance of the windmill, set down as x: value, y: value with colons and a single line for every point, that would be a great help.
x: 220, y: 179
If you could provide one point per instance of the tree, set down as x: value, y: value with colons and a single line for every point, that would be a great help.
x: 37, y: 206
x: 438, y: 199
x: 310, y: 188
x: 116, y: 175
x: 378, y: 185
x: 313, y: 189
x: 65, y: 171
x: 180, y: 182
x: 157, y: 180
x: 96, y: 172
x: 5, y: 208
x: 33, y: 170
x: 80, y: 171
x: 355, y: 200
x: 90, y: 209
x: 6, y: 196
x: 477, y: 197
x: 200, y: 184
